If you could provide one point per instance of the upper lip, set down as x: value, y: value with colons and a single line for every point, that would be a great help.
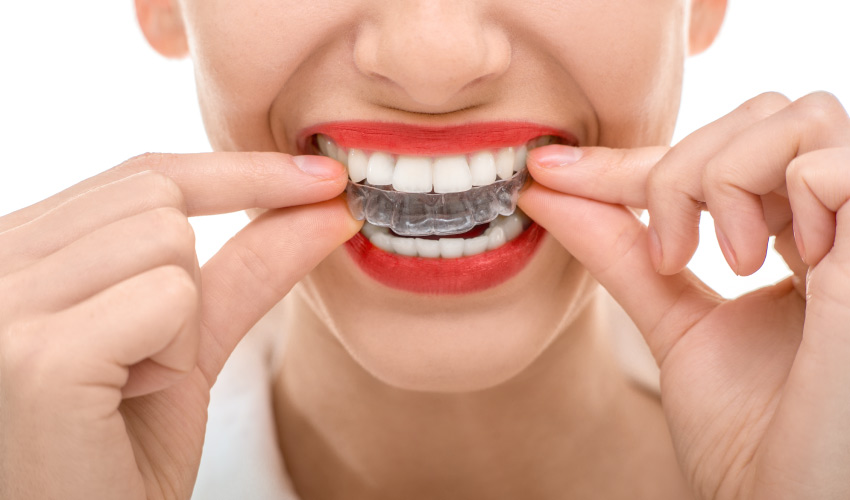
x: 404, y: 138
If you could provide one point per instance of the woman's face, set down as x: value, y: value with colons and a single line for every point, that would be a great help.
x: 605, y: 72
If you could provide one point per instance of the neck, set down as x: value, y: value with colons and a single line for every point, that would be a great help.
x: 544, y: 432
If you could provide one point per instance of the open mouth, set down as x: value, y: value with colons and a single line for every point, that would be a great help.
x: 440, y: 214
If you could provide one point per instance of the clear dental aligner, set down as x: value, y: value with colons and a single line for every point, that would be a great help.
x: 499, y: 232
x: 425, y: 214
x: 439, y: 195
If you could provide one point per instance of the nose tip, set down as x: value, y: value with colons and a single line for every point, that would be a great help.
x: 432, y: 50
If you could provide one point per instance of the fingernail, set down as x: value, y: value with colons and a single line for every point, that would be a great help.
x: 655, y: 252
x: 556, y: 156
x: 318, y: 166
x: 798, y: 239
x: 726, y: 248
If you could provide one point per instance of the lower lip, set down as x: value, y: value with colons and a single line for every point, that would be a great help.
x: 446, y: 276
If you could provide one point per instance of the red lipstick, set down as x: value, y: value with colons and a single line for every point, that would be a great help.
x: 402, y: 138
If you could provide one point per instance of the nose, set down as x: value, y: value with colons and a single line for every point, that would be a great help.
x: 431, y: 49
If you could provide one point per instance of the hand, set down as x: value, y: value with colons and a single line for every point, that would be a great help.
x: 755, y: 390
x: 110, y: 334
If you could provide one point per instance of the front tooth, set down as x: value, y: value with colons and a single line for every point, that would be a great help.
x: 379, y: 169
x: 357, y: 161
x: 451, y: 248
x: 496, y: 237
x: 475, y: 246
x: 452, y: 175
x: 428, y: 248
x: 482, y: 166
x: 519, y: 160
x: 505, y: 163
x: 404, y: 246
x: 412, y: 174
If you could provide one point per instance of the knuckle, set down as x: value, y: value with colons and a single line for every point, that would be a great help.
x: 716, y: 174
x: 144, y: 161
x: 173, y: 232
x: 659, y: 179
x: 766, y: 104
x: 176, y: 287
x: 162, y: 189
x: 821, y: 109
x: 795, y: 172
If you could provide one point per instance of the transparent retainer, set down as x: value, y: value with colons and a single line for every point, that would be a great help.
x: 425, y: 214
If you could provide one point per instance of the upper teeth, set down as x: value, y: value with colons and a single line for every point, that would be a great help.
x: 424, y: 174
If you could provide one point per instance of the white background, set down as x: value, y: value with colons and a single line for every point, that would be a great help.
x: 80, y: 91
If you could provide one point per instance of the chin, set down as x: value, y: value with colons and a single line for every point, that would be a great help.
x: 447, y: 355
x: 449, y: 343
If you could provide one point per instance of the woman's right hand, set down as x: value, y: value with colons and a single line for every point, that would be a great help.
x: 111, y: 336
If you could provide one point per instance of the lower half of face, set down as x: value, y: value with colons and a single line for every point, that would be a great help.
x: 432, y: 106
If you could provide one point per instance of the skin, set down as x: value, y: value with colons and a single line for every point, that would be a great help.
x: 109, y: 346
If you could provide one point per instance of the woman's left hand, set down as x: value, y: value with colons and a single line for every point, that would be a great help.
x: 756, y: 390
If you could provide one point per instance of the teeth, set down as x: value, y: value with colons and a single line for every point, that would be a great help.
x: 451, y: 248
x: 405, y: 246
x: 500, y: 231
x: 475, y: 246
x: 519, y: 160
x: 412, y: 174
x: 441, y: 174
x: 428, y: 248
x: 357, y: 161
x: 512, y: 226
x: 452, y: 175
x: 496, y: 237
x: 326, y: 146
x: 341, y: 156
x: 379, y: 169
x: 482, y: 166
x: 505, y: 163
x: 382, y: 240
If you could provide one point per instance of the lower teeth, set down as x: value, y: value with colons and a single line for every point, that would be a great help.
x: 500, y: 231
x: 425, y: 214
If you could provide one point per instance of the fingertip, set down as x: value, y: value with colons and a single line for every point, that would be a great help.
x: 320, y: 167
x: 533, y: 200
x: 727, y: 249
x: 336, y: 217
x: 656, y: 253
x: 323, y: 172
x: 677, y: 234
x: 554, y: 156
x: 746, y: 251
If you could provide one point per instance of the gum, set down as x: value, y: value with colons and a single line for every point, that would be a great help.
x: 426, y: 214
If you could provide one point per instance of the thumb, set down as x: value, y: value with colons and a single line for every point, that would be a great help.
x: 611, y: 243
x: 258, y: 267
x: 611, y: 175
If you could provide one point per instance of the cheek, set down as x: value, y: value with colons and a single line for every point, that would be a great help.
x: 243, y: 59
x: 627, y: 59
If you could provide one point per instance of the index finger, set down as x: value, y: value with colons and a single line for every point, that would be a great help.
x: 214, y: 183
